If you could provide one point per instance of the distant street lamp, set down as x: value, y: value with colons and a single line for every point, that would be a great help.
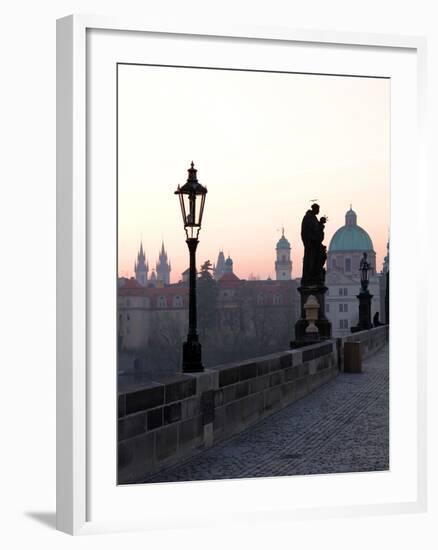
x: 192, y: 199
x: 364, y: 296
x: 364, y: 269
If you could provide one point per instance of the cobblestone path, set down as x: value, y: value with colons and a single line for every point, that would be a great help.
x: 341, y: 427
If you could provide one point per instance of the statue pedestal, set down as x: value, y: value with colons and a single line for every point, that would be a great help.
x: 322, y: 323
x: 364, y: 312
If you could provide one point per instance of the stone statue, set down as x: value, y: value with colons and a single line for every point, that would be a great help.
x: 315, y: 253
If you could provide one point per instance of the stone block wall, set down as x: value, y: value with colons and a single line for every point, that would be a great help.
x: 163, y: 422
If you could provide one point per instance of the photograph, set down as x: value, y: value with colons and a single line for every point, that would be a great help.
x: 253, y: 260
x: 227, y: 339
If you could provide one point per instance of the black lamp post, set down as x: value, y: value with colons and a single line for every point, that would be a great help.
x: 364, y: 269
x: 192, y: 199
x: 364, y: 296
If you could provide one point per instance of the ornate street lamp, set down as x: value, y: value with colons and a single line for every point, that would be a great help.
x: 364, y: 296
x: 364, y: 269
x: 192, y: 199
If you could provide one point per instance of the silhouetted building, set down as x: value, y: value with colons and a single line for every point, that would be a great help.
x: 153, y: 280
x: 219, y: 268
x: 141, y: 267
x: 283, y: 263
x: 185, y: 276
x: 163, y: 267
x: 228, y: 265
x: 237, y: 318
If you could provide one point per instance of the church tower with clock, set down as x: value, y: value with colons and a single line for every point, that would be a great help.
x: 283, y: 264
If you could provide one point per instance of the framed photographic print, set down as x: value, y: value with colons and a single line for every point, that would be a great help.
x: 231, y: 205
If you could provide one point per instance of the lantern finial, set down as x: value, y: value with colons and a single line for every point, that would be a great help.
x: 192, y: 173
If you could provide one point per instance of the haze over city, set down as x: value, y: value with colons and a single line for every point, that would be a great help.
x: 264, y: 144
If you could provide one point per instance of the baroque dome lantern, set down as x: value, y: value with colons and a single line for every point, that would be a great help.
x: 283, y: 243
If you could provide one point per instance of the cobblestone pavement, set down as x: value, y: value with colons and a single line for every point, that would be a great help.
x: 341, y: 427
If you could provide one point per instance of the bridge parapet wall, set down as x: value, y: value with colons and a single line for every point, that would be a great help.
x: 172, y: 418
x: 370, y: 342
x: 165, y: 421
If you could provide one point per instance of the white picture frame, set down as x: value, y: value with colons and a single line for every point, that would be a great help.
x: 76, y: 212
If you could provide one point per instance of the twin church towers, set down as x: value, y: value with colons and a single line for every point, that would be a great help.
x: 161, y: 273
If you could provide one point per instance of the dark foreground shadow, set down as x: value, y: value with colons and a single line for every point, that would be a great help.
x: 46, y: 518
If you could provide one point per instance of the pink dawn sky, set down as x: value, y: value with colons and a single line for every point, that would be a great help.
x: 265, y: 145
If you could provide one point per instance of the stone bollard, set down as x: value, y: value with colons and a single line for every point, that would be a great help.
x: 352, y: 357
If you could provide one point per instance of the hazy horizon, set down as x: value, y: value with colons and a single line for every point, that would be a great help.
x: 265, y: 145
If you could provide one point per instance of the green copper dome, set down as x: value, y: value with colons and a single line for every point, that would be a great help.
x: 283, y: 242
x: 351, y: 236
